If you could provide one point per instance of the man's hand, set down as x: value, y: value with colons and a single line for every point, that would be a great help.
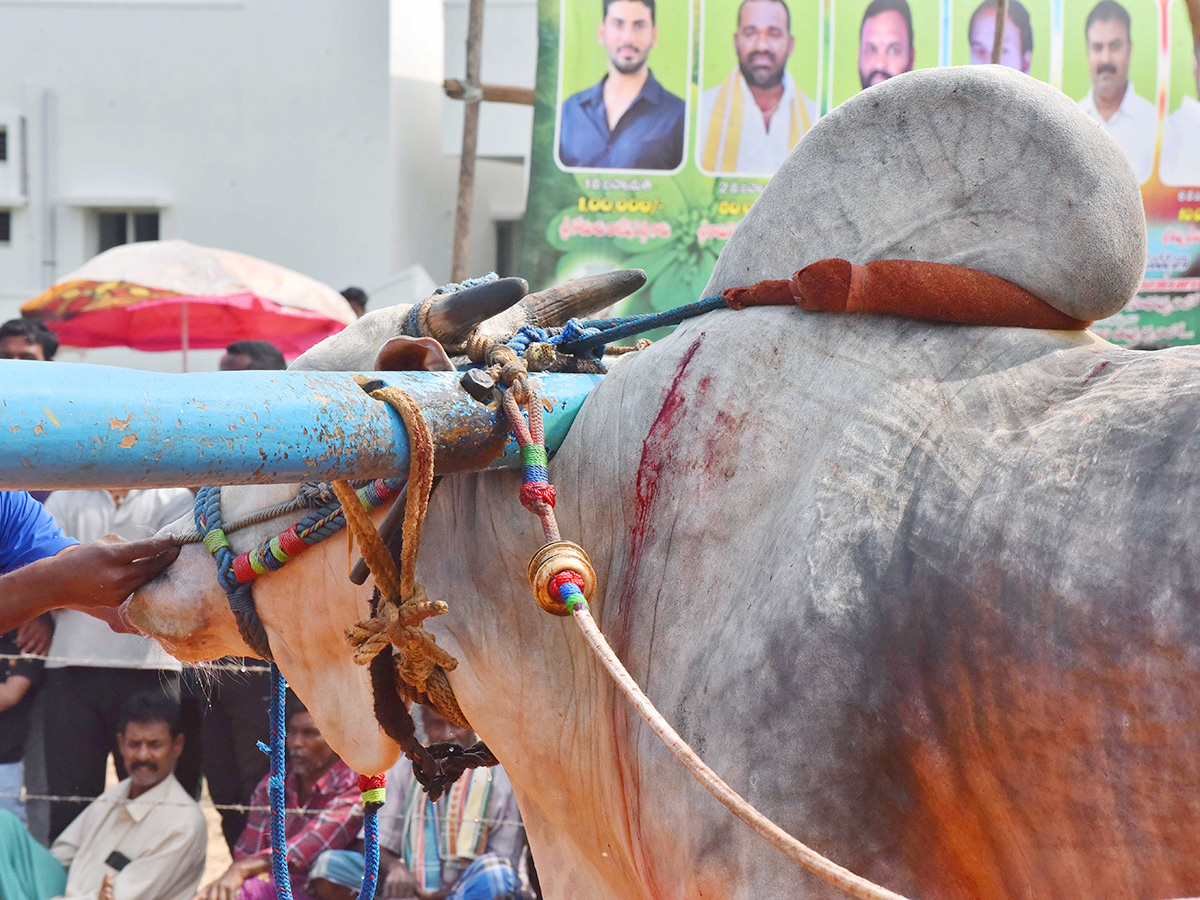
x: 105, y: 572
x: 106, y: 887
x: 400, y: 884
x: 228, y: 885
x: 224, y: 888
x: 34, y: 636
x: 83, y: 576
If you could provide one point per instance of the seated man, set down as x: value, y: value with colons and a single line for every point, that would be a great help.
x: 143, y: 839
x: 466, y: 846
x: 320, y: 784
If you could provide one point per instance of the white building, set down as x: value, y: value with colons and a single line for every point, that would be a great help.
x: 312, y: 133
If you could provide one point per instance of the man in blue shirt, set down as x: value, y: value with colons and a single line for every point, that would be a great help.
x: 628, y: 120
x: 43, y: 569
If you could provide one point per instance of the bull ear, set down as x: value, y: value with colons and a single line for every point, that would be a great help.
x: 410, y: 354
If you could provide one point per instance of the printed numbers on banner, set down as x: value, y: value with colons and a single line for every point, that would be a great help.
x: 1189, y: 214
x: 734, y: 207
x: 647, y: 205
x: 739, y: 187
x: 1188, y: 196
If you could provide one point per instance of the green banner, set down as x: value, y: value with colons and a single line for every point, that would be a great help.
x: 656, y: 125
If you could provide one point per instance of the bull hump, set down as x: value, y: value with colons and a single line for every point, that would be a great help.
x: 977, y: 166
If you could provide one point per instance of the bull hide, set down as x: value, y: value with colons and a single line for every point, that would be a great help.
x: 922, y: 593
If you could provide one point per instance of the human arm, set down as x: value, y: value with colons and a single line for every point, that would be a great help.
x: 83, y: 576
x: 12, y: 690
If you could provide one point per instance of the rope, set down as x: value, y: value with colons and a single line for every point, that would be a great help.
x: 237, y: 573
x: 537, y: 495
x: 854, y: 885
x: 275, y: 789
x: 373, y: 789
x: 398, y: 619
x: 608, y: 330
x: 300, y: 501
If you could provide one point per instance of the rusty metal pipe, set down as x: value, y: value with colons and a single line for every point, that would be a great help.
x: 82, y: 426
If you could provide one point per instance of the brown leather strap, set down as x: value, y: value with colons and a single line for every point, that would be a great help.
x: 910, y: 288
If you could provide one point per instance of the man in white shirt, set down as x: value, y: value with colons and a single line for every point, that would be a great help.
x: 752, y: 119
x: 1130, y: 120
x: 90, y: 669
x: 1180, y: 162
x: 143, y: 839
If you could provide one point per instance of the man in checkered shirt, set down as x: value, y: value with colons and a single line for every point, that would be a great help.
x: 319, y: 784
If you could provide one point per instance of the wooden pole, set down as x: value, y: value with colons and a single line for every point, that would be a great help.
x: 489, y: 93
x: 466, y: 168
x: 1193, y: 8
x: 1001, y: 21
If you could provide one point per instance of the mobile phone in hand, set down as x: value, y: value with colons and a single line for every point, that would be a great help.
x: 117, y: 861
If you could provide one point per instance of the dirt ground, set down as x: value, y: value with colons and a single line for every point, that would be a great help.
x: 218, y: 858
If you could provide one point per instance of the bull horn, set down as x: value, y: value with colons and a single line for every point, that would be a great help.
x: 576, y: 299
x: 454, y: 316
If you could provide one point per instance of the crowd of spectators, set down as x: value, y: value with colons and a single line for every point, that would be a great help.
x: 74, y: 692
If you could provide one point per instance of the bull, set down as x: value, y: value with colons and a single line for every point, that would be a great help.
x: 922, y: 593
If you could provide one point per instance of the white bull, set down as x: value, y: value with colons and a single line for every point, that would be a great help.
x: 924, y: 594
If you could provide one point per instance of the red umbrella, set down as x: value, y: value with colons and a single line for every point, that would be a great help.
x: 172, y: 295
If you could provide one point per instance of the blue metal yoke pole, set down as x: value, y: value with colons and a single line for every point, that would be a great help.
x: 65, y: 425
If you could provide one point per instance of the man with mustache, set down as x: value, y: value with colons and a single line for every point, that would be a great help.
x: 1130, y: 120
x: 752, y: 119
x: 325, y: 790
x: 628, y: 120
x: 143, y: 839
x: 885, y: 42
x: 1180, y: 163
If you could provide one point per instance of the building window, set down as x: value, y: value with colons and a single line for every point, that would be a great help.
x: 117, y: 227
x: 508, y: 246
x: 5, y: 226
x: 3, y: 144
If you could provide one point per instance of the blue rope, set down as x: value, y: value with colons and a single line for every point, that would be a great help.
x: 609, y: 330
x: 207, y: 514
x: 279, y: 866
x: 370, y: 852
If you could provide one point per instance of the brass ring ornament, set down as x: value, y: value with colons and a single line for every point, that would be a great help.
x: 551, y: 560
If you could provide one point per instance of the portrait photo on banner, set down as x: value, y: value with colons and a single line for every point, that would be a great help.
x: 1110, y: 68
x: 1026, y: 46
x: 624, y: 74
x: 1179, y: 164
x: 760, y: 80
x: 874, y: 40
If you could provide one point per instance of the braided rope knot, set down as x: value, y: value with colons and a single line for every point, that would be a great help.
x: 568, y: 586
x: 536, y: 495
x: 402, y: 626
x: 373, y: 789
x: 540, y: 356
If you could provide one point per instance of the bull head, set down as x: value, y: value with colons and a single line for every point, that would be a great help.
x: 188, y: 612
